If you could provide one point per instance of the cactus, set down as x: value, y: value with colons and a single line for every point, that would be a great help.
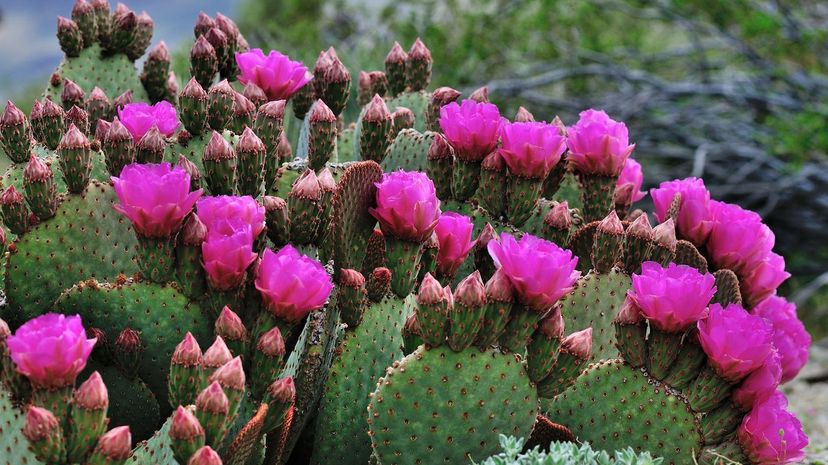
x: 409, y: 287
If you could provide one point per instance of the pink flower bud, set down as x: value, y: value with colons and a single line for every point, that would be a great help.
x: 230, y: 375
x: 115, y: 444
x: 187, y: 352
x: 790, y: 338
x: 531, y: 150
x: 524, y: 116
x: 471, y: 128
x: 407, y: 206
x: 275, y: 74
x: 40, y: 424
x: 92, y: 394
x: 307, y: 186
x: 540, y: 271
x: 205, y: 456
x: 213, y: 400
x: 185, y: 425
x: 73, y: 139
x: 218, y: 148
x: 672, y: 298
x: 217, y: 354
x: 377, y: 110
x: 736, y: 342
x: 598, y: 144
x: 291, y: 284
x: 454, y: 233
x: 641, y: 228
x: 552, y: 325
x: 271, y: 343
x: 470, y: 292
x: 431, y: 291
x: 229, y: 325
x: 51, y: 349
x: 578, y: 344
x: 283, y: 390
x: 611, y: 225
x: 12, y: 116
x: 396, y: 55
x: 499, y: 288
x: 559, y: 217
x: 664, y: 234
x: 194, y: 232
x: 37, y: 171
x: 629, y: 314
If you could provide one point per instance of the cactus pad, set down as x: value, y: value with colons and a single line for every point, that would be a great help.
x: 160, y: 313
x: 14, y: 448
x: 13, y: 176
x: 113, y: 74
x: 362, y: 358
x: 613, y: 406
x: 132, y: 403
x: 417, y: 102
x: 85, y: 239
x: 439, y: 406
x: 156, y: 450
x: 345, y: 146
x: 351, y: 222
x: 408, y: 151
x: 594, y: 302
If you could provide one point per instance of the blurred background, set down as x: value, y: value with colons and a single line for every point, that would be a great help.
x: 734, y: 91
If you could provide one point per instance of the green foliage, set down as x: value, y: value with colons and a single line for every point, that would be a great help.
x: 565, y: 453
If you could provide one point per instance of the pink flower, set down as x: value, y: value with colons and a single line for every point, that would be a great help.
x: 227, y: 253
x: 51, y: 349
x: 276, y: 74
x: 763, y: 278
x: 214, y: 210
x: 454, y: 233
x: 628, y: 187
x: 155, y: 197
x: 694, y: 220
x: 407, y: 206
x: 540, y: 271
x: 531, y: 150
x: 672, y: 298
x: 291, y: 284
x: 598, y: 144
x: 789, y: 335
x: 770, y: 435
x: 471, y: 128
x: 140, y: 117
x: 736, y: 342
x: 738, y: 239
x: 759, y: 385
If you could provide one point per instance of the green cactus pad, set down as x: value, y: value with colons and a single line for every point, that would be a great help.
x: 594, y: 302
x: 13, y: 176
x: 14, y: 448
x: 351, y: 223
x: 417, y: 102
x: 156, y: 450
x: 439, y: 406
x: 569, y: 190
x: 362, y: 357
x: 113, y: 74
x: 345, y: 146
x: 130, y: 403
x: 304, y: 134
x: 408, y: 151
x: 161, y: 314
x: 613, y: 406
x: 85, y: 239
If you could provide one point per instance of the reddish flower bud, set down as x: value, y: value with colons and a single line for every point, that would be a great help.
x: 230, y: 375
x: 185, y: 425
x: 271, y: 343
x: 552, y: 325
x: 213, y: 400
x: 578, y: 344
x: 218, y: 354
x: 470, y: 291
x: 92, y: 394
x: 229, y: 325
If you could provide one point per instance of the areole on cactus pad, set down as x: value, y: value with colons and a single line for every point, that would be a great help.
x: 404, y: 290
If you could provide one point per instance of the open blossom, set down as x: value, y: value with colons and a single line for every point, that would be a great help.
x: 738, y: 239
x: 736, y: 342
x: 454, y: 233
x: 694, y: 220
x: 51, y: 350
x: 759, y: 385
x: 628, y: 186
x: 227, y: 253
x: 140, y: 117
x: 763, y: 278
x: 771, y: 435
x: 790, y: 338
x: 531, y: 150
x: 155, y: 197
x: 407, y: 206
x: 598, y: 144
x: 672, y: 298
x: 540, y: 271
x: 213, y: 210
x: 276, y: 74
x: 291, y: 284
x: 471, y: 128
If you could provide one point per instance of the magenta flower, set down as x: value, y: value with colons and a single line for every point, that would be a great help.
x: 759, y: 385
x: 214, y: 210
x: 140, y: 117
x: 790, y: 338
x: 738, y: 239
x: 155, y: 197
x: 628, y: 186
x: 276, y: 74
x: 763, y: 278
x: 531, y: 150
x: 227, y: 253
x: 672, y: 298
x: 598, y: 144
x: 407, y: 206
x: 471, y: 128
x: 291, y: 284
x: 694, y: 220
x: 540, y: 271
x: 736, y: 342
x: 51, y: 350
x: 770, y: 435
x: 454, y: 233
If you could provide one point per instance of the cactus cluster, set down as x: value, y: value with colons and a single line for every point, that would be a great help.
x: 404, y: 290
